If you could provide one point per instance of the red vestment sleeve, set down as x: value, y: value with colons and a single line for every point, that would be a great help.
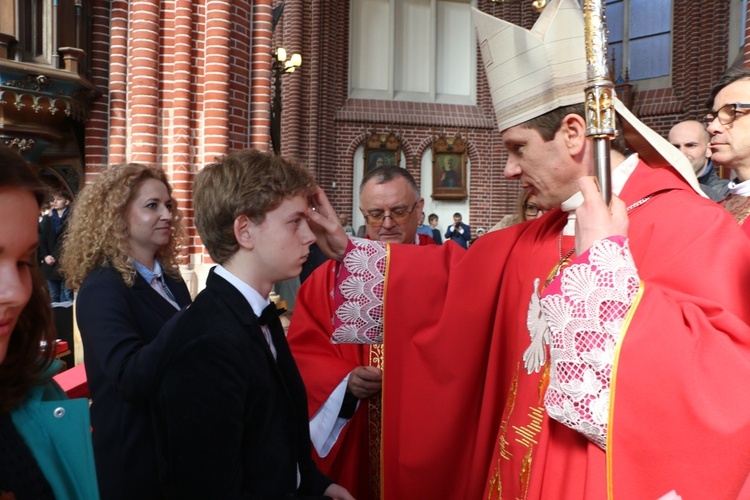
x: 310, y: 338
x: 680, y: 416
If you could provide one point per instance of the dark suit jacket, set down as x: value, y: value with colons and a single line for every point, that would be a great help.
x: 49, y: 244
x: 231, y: 422
x: 118, y: 324
x: 461, y: 239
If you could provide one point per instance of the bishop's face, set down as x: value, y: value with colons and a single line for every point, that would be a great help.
x: 546, y: 168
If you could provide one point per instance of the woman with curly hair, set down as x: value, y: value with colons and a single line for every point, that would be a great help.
x: 120, y: 253
x: 45, y: 443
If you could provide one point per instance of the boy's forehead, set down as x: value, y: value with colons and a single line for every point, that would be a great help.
x: 291, y: 205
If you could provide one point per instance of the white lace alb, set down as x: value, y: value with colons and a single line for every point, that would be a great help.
x: 585, y: 320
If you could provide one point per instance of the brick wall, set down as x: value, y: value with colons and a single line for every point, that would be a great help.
x: 185, y: 81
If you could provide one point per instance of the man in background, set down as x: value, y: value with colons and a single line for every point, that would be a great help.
x: 433, y: 220
x: 729, y: 128
x: 691, y: 138
x: 423, y: 228
x: 51, y: 232
x: 458, y: 231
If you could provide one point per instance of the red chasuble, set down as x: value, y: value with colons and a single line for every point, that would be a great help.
x: 354, y: 461
x: 463, y: 419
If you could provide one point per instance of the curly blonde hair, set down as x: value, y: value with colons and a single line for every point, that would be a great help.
x: 97, y: 232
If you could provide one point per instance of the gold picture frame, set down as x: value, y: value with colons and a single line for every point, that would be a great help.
x: 449, y: 168
x: 382, y: 149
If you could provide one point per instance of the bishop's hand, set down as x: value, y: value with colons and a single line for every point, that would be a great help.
x: 324, y: 222
x: 594, y: 219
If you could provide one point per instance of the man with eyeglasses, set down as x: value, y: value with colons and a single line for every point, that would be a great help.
x: 691, y: 138
x: 344, y: 381
x: 587, y: 354
x: 729, y: 129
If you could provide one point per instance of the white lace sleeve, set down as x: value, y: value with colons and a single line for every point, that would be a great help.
x: 358, y: 296
x: 586, y: 310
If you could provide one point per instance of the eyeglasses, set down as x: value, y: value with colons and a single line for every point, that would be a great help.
x: 726, y: 114
x: 398, y: 215
x: 531, y: 210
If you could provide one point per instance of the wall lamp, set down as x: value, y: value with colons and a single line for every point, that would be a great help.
x: 290, y: 64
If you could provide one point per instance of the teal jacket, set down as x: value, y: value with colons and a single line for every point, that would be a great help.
x: 58, y: 432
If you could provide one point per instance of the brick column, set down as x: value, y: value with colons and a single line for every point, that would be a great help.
x: 118, y: 88
x: 97, y: 127
x: 292, y: 123
x: 143, y: 80
x: 179, y: 97
x: 181, y: 130
x: 260, y: 91
x: 217, y: 71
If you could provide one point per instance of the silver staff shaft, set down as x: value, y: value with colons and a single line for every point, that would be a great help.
x: 600, y: 92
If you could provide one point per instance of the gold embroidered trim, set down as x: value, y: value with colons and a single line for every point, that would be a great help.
x: 377, y: 359
x: 375, y: 428
x: 613, y: 387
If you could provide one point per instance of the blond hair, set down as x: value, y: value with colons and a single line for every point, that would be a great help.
x: 246, y: 182
x: 98, y: 234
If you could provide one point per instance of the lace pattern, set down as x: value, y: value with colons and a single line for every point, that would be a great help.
x: 358, y: 300
x: 585, y: 313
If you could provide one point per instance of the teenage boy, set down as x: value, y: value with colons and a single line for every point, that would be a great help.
x: 231, y: 411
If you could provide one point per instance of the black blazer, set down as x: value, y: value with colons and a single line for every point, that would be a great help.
x: 231, y: 422
x: 50, y: 244
x: 461, y: 239
x: 118, y: 325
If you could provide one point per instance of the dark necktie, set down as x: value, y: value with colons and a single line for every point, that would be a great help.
x: 270, y: 313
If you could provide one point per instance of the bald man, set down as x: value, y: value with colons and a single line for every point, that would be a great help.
x: 692, y: 139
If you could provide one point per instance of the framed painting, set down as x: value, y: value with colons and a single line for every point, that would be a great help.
x: 382, y: 149
x: 449, y: 168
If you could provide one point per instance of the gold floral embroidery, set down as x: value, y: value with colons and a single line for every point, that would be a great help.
x: 495, y: 483
x: 528, y: 433
x: 544, y: 382
x: 526, y: 474
x: 738, y: 206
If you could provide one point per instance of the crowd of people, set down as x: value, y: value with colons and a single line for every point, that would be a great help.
x: 587, y: 357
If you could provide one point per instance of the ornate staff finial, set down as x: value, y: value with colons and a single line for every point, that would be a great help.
x: 599, y: 93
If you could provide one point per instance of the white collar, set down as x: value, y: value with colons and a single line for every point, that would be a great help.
x: 255, y: 299
x: 620, y: 176
x: 741, y: 189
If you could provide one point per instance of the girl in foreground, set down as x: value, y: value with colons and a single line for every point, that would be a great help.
x: 45, y: 442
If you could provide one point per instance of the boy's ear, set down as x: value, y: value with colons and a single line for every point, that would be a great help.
x: 242, y: 232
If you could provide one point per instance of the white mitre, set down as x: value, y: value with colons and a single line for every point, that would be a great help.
x: 533, y: 72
